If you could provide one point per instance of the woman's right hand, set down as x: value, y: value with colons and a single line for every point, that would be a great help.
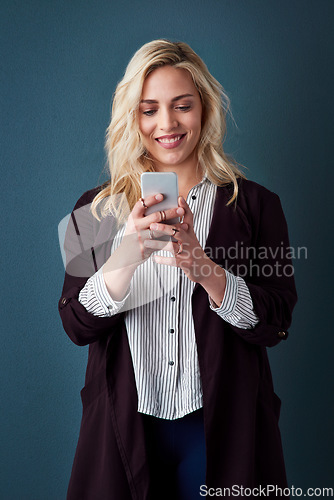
x: 137, y: 228
x: 121, y: 265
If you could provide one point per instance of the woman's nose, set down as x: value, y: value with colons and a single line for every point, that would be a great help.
x: 167, y: 120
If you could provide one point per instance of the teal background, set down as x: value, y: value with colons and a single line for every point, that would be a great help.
x: 60, y: 63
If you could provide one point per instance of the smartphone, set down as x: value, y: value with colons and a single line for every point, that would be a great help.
x: 165, y: 183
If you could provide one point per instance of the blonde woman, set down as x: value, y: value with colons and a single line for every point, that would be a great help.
x: 178, y: 400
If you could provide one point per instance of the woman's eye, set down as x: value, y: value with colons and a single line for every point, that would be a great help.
x: 149, y: 112
x: 183, y: 108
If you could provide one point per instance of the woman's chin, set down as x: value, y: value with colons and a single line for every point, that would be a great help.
x: 171, y: 160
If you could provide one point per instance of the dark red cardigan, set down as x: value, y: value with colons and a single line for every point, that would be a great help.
x: 241, y: 410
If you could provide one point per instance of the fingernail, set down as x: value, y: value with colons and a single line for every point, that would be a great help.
x: 154, y: 226
x: 180, y: 211
x: 158, y: 196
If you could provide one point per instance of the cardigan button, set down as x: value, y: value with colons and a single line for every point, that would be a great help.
x: 281, y: 334
x: 63, y: 300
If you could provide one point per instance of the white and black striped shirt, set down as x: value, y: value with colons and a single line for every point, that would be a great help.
x: 159, y: 322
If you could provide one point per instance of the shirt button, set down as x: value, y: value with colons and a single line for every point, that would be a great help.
x: 193, y: 197
x: 171, y: 330
x: 170, y: 363
x: 281, y: 334
x: 173, y: 299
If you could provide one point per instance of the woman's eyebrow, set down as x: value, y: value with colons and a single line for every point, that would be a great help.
x: 181, y: 97
x: 177, y: 98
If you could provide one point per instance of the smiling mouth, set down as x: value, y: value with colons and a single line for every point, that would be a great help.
x: 170, y: 140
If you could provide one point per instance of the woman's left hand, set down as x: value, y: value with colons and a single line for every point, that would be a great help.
x: 187, y: 251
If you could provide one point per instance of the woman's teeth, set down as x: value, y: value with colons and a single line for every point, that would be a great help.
x: 165, y: 140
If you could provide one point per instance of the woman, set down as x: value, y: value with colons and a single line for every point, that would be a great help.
x: 178, y: 400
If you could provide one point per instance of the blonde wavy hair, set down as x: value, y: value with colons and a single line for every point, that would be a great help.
x: 127, y: 157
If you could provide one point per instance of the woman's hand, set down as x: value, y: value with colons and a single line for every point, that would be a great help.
x: 138, y: 232
x: 186, y: 251
x: 188, y: 254
x: 133, y: 251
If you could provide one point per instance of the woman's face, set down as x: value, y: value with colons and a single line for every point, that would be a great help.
x: 170, y: 115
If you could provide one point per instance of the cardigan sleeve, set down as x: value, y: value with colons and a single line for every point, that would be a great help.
x: 270, y: 276
x: 81, y: 263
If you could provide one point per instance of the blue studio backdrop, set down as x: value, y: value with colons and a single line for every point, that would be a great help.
x: 61, y: 62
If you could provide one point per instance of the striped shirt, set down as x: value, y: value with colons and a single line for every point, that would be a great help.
x: 159, y: 322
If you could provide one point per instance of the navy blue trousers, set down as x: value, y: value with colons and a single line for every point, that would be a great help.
x: 176, y: 452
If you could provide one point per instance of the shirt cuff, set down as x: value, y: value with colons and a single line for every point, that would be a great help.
x: 237, y: 305
x: 230, y: 296
x: 96, y: 298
